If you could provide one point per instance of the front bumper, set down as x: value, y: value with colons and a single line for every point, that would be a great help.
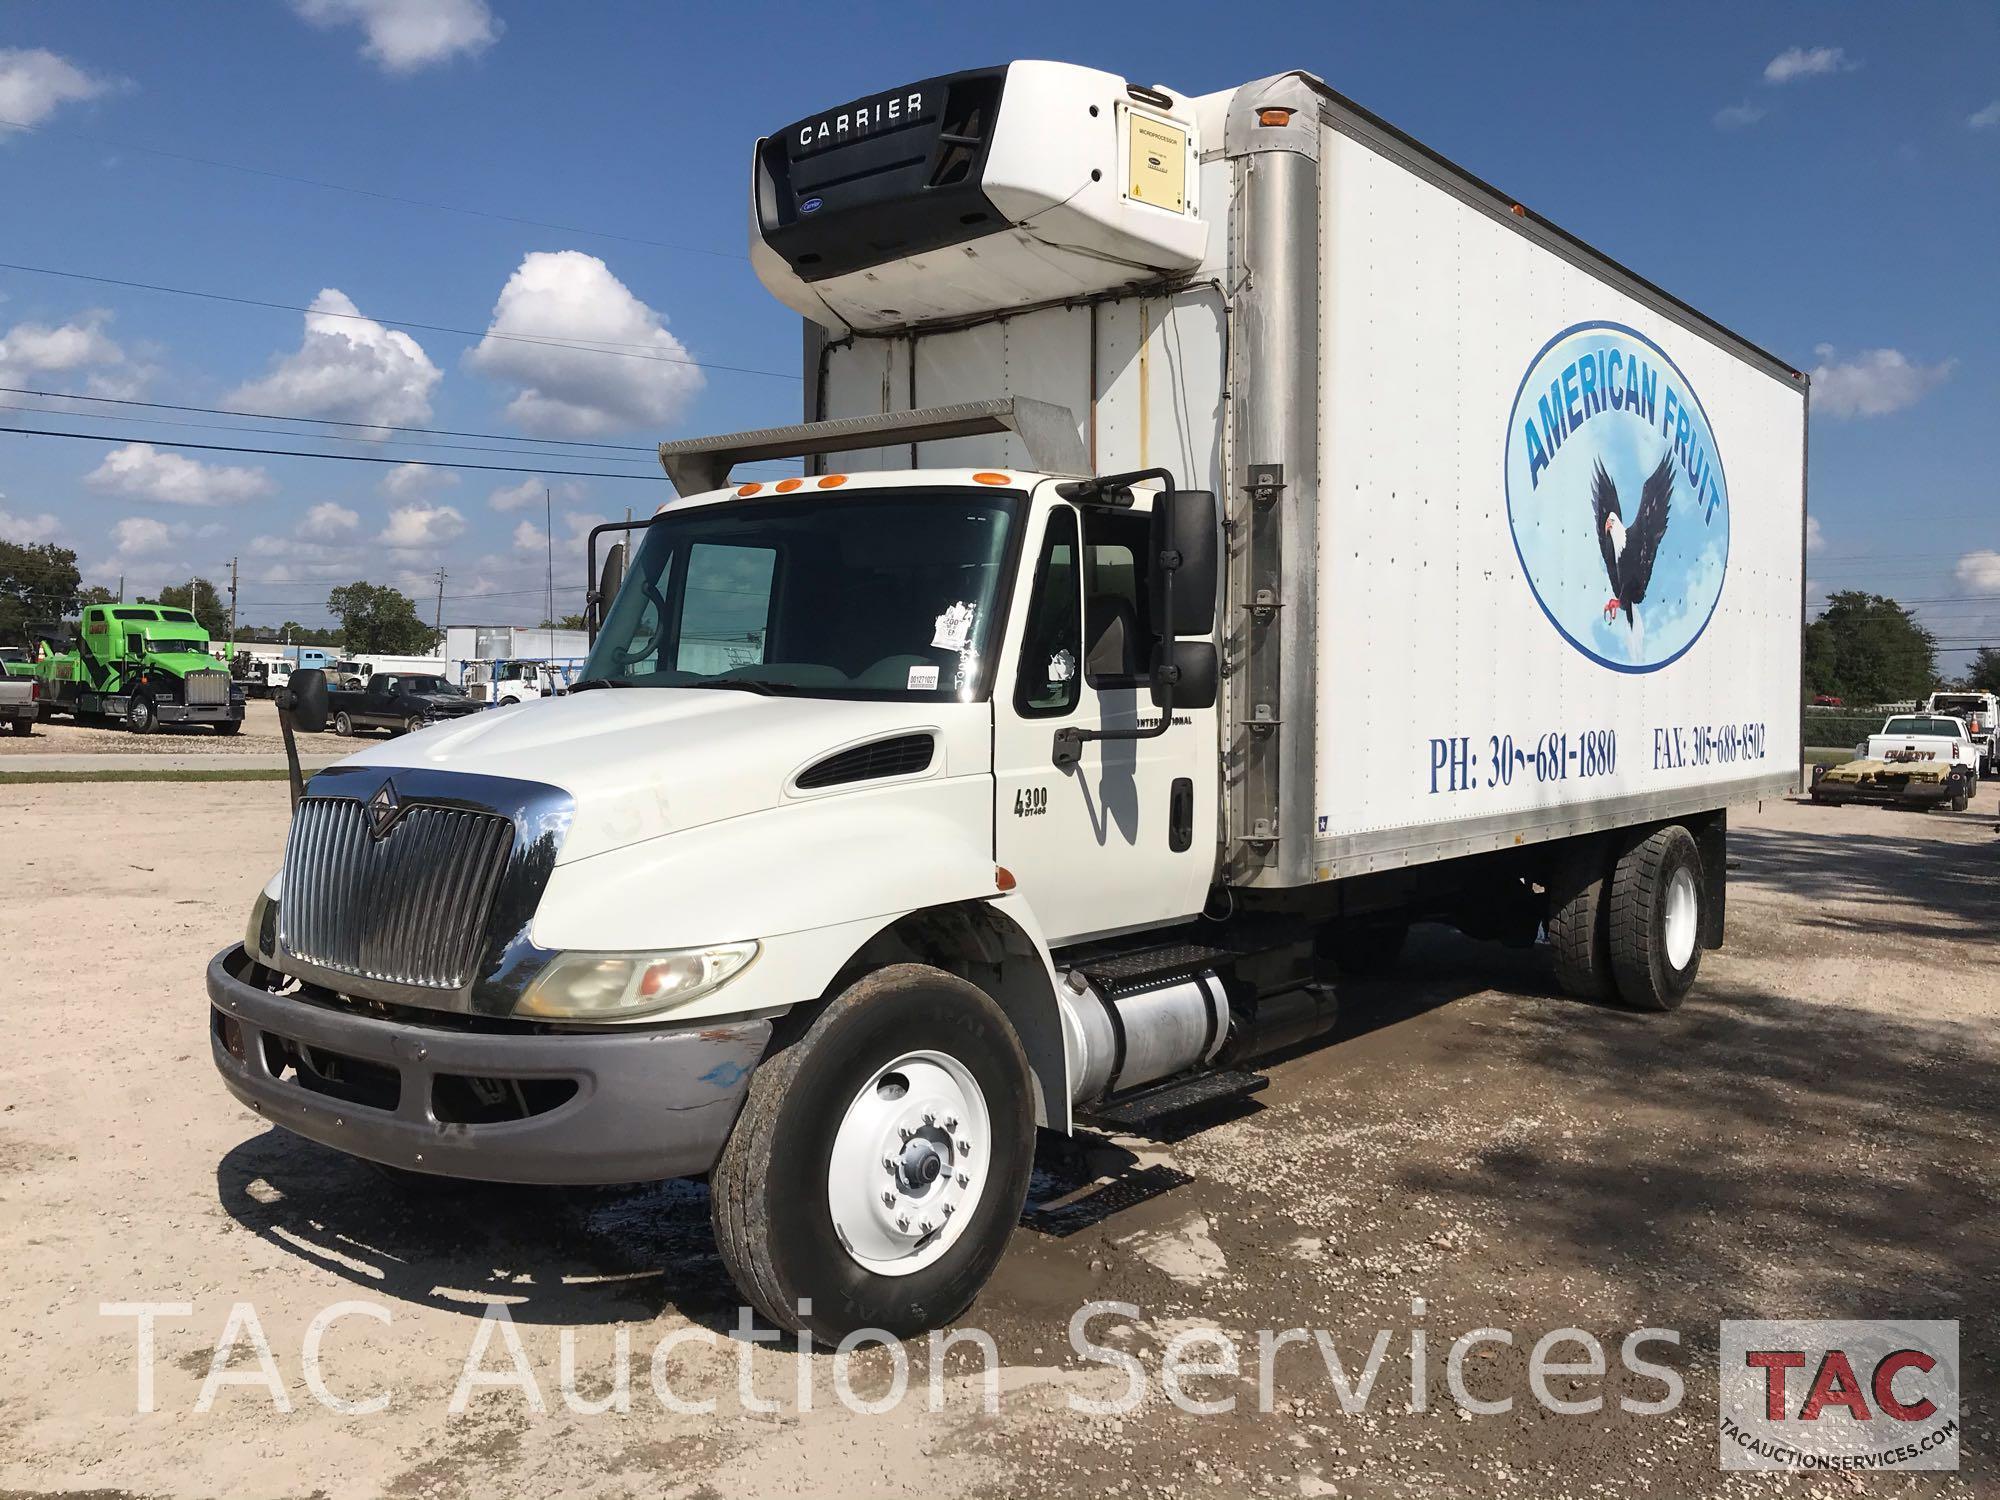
x: 181, y: 713
x: 645, y: 1105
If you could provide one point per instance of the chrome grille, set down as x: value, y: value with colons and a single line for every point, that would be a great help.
x: 408, y: 908
x: 207, y: 689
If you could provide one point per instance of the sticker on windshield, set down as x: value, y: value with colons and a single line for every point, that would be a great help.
x: 954, y: 626
x: 922, y: 680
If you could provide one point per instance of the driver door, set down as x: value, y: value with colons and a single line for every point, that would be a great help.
x: 1125, y: 838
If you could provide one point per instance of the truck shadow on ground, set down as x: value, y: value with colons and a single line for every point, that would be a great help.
x: 1867, y: 884
x: 1754, y: 1156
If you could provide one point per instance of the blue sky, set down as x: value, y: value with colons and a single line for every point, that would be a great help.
x: 1823, y: 178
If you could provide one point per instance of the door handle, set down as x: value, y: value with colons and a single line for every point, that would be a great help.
x: 1180, y: 815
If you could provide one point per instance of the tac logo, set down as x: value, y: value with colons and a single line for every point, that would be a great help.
x: 1616, y: 497
x: 1854, y: 1396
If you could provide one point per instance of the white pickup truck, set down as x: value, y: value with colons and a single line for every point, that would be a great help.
x: 1918, y: 760
x: 18, y: 705
x: 1981, y: 712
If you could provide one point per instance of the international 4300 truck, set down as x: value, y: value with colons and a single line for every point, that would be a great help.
x: 142, y: 665
x: 1230, y: 533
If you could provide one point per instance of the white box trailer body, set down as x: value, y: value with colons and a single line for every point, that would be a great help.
x: 1419, y: 658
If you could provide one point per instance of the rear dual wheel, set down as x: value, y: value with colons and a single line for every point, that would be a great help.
x: 1629, y: 922
x: 881, y: 1160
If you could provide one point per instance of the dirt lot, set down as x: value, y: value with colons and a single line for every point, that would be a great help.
x: 258, y: 736
x: 1813, y: 1135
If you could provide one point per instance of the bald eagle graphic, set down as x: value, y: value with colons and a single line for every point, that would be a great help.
x: 1630, y: 550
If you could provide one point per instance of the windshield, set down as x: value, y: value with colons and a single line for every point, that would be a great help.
x: 1949, y: 728
x: 433, y: 686
x: 889, y: 594
x: 1950, y: 702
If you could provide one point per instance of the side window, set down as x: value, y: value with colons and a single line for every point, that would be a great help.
x: 1118, y: 642
x: 726, y: 607
x: 1052, y: 644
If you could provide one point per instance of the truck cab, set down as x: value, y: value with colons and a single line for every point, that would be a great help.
x: 145, y: 665
x: 1981, y: 713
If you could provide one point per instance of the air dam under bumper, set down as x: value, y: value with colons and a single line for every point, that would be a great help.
x: 647, y: 1104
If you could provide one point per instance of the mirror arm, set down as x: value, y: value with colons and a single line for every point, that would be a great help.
x: 1070, y: 739
x: 283, y: 698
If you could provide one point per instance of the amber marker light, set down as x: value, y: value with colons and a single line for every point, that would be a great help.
x: 987, y: 476
x: 1274, y: 116
x: 744, y: 491
x: 832, y: 481
x: 786, y: 486
x: 1003, y: 878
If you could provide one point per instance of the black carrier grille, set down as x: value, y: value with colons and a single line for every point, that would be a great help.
x: 856, y: 186
x: 905, y: 755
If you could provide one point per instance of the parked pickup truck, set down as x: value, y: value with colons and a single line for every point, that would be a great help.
x: 397, y: 702
x: 1981, y: 712
x: 19, y: 703
x: 1918, y: 760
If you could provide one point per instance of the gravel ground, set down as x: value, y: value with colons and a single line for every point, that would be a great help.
x: 1813, y: 1134
x: 258, y: 736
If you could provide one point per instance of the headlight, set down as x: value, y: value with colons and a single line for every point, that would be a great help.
x: 620, y: 986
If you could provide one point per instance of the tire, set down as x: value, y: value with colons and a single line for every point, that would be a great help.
x: 343, y: 723
x: 822, y: 1121
x: 1961, y: 794
x: 229, y: 726
x: 139, y: 715
x: 24, y: 727
x: 1579, y: 922
x: 1658, y: 910
x: 1362, y: 948
x: 415, y: 723
x: 509, y: 702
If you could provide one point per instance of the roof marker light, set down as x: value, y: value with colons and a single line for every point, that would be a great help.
x: 987, y: 476
x: 786, y: 486
x: 746, y: 490
x: 832, y: 481
x: 1276, y: 115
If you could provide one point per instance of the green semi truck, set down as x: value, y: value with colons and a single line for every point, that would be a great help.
x: 143, y: 665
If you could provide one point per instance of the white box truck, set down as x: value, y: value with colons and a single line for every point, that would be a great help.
x: 1230, y: 534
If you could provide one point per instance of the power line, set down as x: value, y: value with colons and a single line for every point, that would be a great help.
x: 272, y: 416
x: 606, y: 347
x: 350, y: 458
x: 341, y: 187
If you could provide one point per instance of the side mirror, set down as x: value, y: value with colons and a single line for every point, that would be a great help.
x: 1187, y: 678
x: 308, y: 700
x: 608, y: 581
x: 1185, y: 522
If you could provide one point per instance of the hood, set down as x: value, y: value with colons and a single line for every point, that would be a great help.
x: 180, y: 663
x: 447, y: 703
x: 643, y: 762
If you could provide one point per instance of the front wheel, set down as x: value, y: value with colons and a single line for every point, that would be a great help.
x: 229, y: 726
x: 24, y: 727
x: 140, y: 717
x: 881, y: 1160
x: 1659, y: 908
x: 343, y: 723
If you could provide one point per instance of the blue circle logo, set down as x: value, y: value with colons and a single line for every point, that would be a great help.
x: 1616, y: 497
x: 810, y: 206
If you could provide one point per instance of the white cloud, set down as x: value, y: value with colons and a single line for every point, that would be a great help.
x: 1807, y: 62
x: 530, y: 538
x: 328, y: 522
x: 26, y: 529
x: 408, y: 481
x: 1739, y: 116
x: 347, y: 368
x: 644, y: 381
x: 1980, y: 571
x: 531, y: 490
x: 1873, y: 383
x: 40, y: 354
x: 35, y: 83
x: 1815, y: 539
x: 1986, y: 118
x: 422, y: 525
x: 146, y: 473
x: 406, y: 35
x: 142, y: 536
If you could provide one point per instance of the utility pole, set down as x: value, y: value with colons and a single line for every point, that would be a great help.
x: 121, y: 588
x: 232, y: 608
x: 549, y: 536
x: 437, y: 620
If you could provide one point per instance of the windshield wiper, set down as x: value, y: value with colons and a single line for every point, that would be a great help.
x: 745, y: 685
x: 597, y: 682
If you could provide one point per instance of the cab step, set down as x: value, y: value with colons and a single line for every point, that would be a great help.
x: 1147, y: 968
x: 1148, y: 1110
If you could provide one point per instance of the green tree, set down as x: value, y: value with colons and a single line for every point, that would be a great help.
x: 567, y: 622
x: 376, y: 618
x: 38, y: 584
x: 1868, y: 649
x: 207, y: 606
x: 1983, y: 676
